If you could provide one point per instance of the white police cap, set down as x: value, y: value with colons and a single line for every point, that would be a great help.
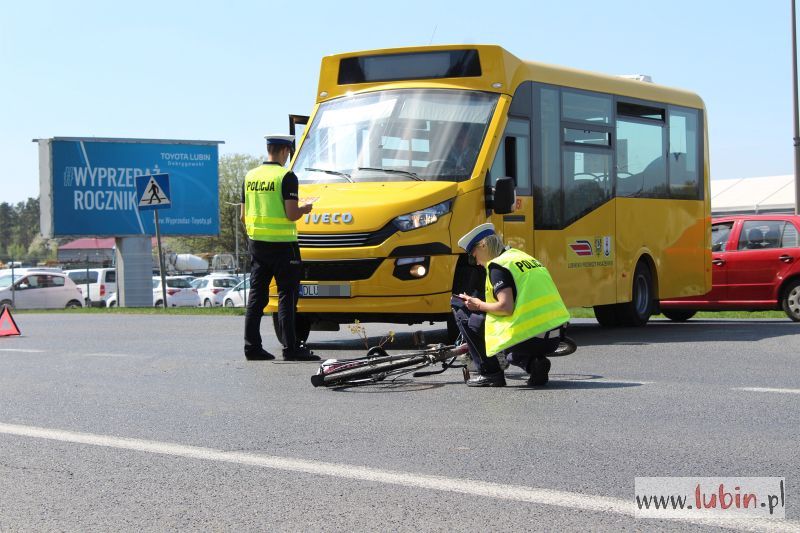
x: 279, y: 140
x: 468, y: 241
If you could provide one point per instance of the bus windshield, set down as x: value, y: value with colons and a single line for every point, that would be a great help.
x: 396, y: 135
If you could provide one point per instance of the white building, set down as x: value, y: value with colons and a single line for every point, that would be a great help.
x: 769, y: 194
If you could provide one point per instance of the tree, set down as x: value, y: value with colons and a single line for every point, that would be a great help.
x: 27, y: 226
x: 19, y: 225
x: 232, y: 170
x: 8, y: 223
x: 17, y: 252
x: 42, y: 249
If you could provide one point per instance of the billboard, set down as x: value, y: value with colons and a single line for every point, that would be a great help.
x: 88, y: 186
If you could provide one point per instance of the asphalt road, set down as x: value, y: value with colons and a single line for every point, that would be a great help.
x: 151, y: 423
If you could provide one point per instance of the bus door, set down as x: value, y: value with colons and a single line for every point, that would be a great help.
x: 513, y: 159
x: 590, y: 223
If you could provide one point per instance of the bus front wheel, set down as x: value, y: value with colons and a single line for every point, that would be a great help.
x: 606, y: 315
x: 302, y: 327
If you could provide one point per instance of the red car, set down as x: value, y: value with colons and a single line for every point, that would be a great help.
x: 756, y: 262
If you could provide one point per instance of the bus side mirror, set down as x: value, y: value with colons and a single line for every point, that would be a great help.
x: 504, y: 196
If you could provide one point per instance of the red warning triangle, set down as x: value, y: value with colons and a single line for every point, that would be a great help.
x: 7, y: 325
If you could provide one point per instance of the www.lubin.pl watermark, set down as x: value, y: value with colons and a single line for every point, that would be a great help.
x: 757, y: 497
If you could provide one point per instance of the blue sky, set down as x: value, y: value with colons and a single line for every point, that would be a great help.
x: 232, y: 71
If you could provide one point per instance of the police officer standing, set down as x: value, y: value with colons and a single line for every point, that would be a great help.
x: 269, y: 211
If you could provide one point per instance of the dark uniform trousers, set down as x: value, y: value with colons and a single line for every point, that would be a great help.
x: 282, y: 262
x: 471, y: 326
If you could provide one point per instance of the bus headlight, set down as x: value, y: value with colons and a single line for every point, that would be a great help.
x: 423, y: 217
x: 411, y: 268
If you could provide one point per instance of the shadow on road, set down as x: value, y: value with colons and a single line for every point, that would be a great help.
x: 572, y: 382
x: 663, y: 331
x: 515, y: 380
x: 398, y: 385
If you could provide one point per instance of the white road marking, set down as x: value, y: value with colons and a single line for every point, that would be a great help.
x: 20, y: 350
x: 767, y: 389
x: 541, y: 496
x: 555, y: 378
x: 104, y: 355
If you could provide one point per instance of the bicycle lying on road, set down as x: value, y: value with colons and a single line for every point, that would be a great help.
x: 378, y: 365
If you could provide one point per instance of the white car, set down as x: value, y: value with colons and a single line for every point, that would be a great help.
x: 39, y: 290
x: 179, y: 294
x: 102, y: 283
x: 237, y: 296
x: 212, y: 289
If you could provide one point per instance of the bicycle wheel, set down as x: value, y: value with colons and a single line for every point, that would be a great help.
x: 363, y: 371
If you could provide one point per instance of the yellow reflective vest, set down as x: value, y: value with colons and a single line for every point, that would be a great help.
x: 264, y: 211
x: 537, y: 308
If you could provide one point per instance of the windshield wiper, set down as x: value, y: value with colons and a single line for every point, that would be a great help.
x: 345, y: 175
x: 393, y: 171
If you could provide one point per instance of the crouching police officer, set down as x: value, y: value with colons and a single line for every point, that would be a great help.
x: 522, y: 302
x: 269, y: 211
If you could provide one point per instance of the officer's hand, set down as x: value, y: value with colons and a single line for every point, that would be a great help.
x: 307, y: 208
x: 473, y: 304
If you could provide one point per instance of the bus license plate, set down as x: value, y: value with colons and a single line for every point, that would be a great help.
x: 313, y: 290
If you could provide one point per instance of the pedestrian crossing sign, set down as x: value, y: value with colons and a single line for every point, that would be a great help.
x: 152, y: 191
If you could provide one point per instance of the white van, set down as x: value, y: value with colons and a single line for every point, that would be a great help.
x: 102, y: 283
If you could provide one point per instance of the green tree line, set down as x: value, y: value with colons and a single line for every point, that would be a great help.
x: 19, y: 233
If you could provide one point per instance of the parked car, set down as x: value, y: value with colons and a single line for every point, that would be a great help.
x: 237, y: 296
x: 102, y: 283
x: 756, y: 266
x: 212, y: 289
x: 179, y: 294
x: 113, y: 300
x: 39, y: 290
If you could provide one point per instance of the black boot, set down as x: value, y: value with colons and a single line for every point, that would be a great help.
x: 497, y: 379
x: 539, y: 369
x: 258, y: 355
x: 300, y: 353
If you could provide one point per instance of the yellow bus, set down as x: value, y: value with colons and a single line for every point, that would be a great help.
x: 405, y: 149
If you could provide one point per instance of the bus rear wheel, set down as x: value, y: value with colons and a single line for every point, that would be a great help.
x: 637, y: 312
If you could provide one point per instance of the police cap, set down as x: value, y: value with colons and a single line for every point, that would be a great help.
x: 468, y: 241
x: 280, y: 140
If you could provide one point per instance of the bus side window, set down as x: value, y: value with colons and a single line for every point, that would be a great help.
x: 684, y: 156
x: 547, y: 183
x: 641, y: 151
x: 513, y: 155
x: 587, y: 181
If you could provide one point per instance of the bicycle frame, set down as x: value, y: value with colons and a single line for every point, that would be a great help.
x: 378, y: 365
